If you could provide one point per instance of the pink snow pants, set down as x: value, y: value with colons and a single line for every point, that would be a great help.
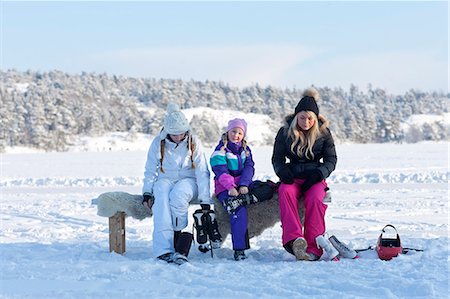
x: 314, y: 213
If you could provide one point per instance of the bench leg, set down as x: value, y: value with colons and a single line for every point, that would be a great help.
x: 117, y: 233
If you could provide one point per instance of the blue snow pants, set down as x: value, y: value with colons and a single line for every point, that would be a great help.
x: 239, y: 224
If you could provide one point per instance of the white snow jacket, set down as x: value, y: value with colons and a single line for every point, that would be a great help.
x: 177, y: 165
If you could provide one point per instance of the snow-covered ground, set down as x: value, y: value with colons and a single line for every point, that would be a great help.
x: 53, y: 244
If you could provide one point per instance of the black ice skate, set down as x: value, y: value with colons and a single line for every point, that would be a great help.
x: 206, y: 227
x: 232, y: 203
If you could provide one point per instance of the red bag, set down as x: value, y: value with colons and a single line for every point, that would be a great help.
x: 388, y: 248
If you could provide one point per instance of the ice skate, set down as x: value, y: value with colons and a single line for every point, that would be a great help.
x: 232, y: 203
x: 343, y: 249
x: 213, y: 231
x: 329, y: 252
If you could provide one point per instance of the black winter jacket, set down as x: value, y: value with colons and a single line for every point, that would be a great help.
x: 325, y: 158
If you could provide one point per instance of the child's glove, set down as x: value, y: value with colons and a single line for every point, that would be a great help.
x: 286, y: 175
x: 312, y: 177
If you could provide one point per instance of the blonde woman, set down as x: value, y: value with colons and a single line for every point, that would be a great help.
x: 303, y: 156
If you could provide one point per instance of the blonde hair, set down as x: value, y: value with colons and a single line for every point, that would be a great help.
x: 225, y: 142
x: 304, y: 140
x: 190, y: 146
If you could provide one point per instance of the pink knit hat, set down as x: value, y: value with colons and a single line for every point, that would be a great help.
x: 238, y: 123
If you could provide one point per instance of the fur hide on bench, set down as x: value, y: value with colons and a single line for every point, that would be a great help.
x: 261, y: 216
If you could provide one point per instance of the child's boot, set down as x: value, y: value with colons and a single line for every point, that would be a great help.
x: 239, y: 255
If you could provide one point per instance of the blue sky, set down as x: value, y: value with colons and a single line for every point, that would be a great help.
x: 392, y: 45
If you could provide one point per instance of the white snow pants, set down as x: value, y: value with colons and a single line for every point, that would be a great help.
x: 170, y: 211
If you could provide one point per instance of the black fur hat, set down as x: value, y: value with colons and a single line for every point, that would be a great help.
x: 308, y: 102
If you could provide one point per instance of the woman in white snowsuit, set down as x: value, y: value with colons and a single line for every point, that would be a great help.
x: 176, y: 172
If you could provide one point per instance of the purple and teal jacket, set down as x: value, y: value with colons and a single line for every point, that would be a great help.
x: 232, y: 167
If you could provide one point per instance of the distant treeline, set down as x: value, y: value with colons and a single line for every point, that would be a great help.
x: 50, y: 110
